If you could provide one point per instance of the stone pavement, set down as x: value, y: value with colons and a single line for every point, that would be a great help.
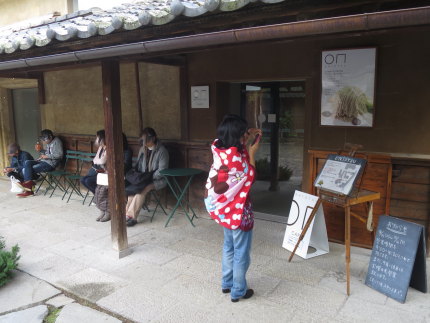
x: 173, y: 273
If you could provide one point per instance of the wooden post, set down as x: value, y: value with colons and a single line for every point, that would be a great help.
x: 139, y: 98
x: 115, y: 154
x: 348, y: 246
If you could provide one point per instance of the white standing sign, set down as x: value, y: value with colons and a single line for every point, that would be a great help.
x: 316, y: 235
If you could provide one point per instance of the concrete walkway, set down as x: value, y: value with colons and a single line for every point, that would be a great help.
x: 173, y: 273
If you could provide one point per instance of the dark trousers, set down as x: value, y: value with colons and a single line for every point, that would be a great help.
x: 34, y: 167
x: 90, y: 180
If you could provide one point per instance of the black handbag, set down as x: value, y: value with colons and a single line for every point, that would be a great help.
x: 136, y: 181
x: 135, y: 177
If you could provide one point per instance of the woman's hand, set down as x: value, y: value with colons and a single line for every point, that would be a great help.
x: 255, y: 144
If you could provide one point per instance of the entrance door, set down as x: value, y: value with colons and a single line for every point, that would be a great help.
x: 26, y: 113
x: 278, y: 108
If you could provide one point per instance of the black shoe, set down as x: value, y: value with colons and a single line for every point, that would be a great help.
x: 131, y: 222
x: 226, y: 290
x: 247, y: 295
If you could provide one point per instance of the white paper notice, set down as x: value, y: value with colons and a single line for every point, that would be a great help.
x: 200, y: 97
x: 271, y: 118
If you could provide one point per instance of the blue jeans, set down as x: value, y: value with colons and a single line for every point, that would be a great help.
x: 33, y: 167
x: 90, y: 180
x: 236, y: 260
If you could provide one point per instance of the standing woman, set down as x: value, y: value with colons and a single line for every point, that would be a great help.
x: 227, y: 199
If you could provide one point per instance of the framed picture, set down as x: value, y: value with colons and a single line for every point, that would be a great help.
x: 339, y: 174
x: 348, y: 87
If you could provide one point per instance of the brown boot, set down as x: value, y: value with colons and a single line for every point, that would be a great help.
x: 28, y: 187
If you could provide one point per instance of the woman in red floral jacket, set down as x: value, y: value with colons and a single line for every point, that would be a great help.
x: 227, y: 199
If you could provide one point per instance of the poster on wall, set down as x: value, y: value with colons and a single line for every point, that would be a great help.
x: 200, y: 97
x: 339, y: 174
x: 347, y: 87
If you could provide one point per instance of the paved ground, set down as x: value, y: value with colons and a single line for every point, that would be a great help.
x: 173, y: 274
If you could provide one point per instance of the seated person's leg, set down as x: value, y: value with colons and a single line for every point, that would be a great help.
x: 42, y: 167
x: 28, y: 169
x: 90, y: 180
x: 91, y: 183
x: 135, y: 205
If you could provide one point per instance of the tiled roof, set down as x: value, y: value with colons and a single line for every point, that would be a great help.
x: 89, y: 23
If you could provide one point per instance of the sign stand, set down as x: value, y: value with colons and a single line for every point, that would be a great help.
x: 345, y: 201
x: 305, y: 229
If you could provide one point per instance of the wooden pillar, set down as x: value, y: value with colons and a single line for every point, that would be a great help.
x: 184, y: 95
x: 139, y: 98
x: 115, y: 154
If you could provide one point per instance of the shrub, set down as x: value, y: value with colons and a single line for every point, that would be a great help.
x: 8, y: 262
x: 263, y: 171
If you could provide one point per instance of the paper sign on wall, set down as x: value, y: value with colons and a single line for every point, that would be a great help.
x: 316, y: 235
x: 200, y: 97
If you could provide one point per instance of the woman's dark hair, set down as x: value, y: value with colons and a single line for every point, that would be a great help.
x: 230, y: 130
x: 149, y: 133
x: 124, y: 142
x: 101, y: 135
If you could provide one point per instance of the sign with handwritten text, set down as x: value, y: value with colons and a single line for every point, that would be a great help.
x: 398, y: 258
x: 339, y: 174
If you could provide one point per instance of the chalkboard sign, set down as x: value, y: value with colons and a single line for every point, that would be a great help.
x: 398, y: 258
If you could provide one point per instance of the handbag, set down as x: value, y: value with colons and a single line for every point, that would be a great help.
x: 15, y: 186
x: 135, y: 177
x: 136, y: 181
x: 102, y: 179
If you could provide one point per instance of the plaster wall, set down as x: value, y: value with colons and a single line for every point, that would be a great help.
x: 160, y: 93
x: 74, y: 100
x: 16, y: 11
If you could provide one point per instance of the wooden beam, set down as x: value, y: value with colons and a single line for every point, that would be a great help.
x: 115, y: 154
x: 184, y: 98
x: 41, y: 88
x: 139, y: 97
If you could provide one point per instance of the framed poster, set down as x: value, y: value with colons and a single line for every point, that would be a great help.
x: 339, y: 174
x: 348, y: 87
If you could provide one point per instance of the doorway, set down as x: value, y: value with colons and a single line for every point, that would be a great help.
x: 278, y: 108
x: 26, y: 113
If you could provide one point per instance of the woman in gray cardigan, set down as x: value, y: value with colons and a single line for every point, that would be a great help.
x: 153, y: 157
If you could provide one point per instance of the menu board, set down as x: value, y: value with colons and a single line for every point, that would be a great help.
x: 398, y: 258
x: 340, y: 173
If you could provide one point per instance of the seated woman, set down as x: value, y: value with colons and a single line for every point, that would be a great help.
x: 99, y: 163
x: 153, y: 157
